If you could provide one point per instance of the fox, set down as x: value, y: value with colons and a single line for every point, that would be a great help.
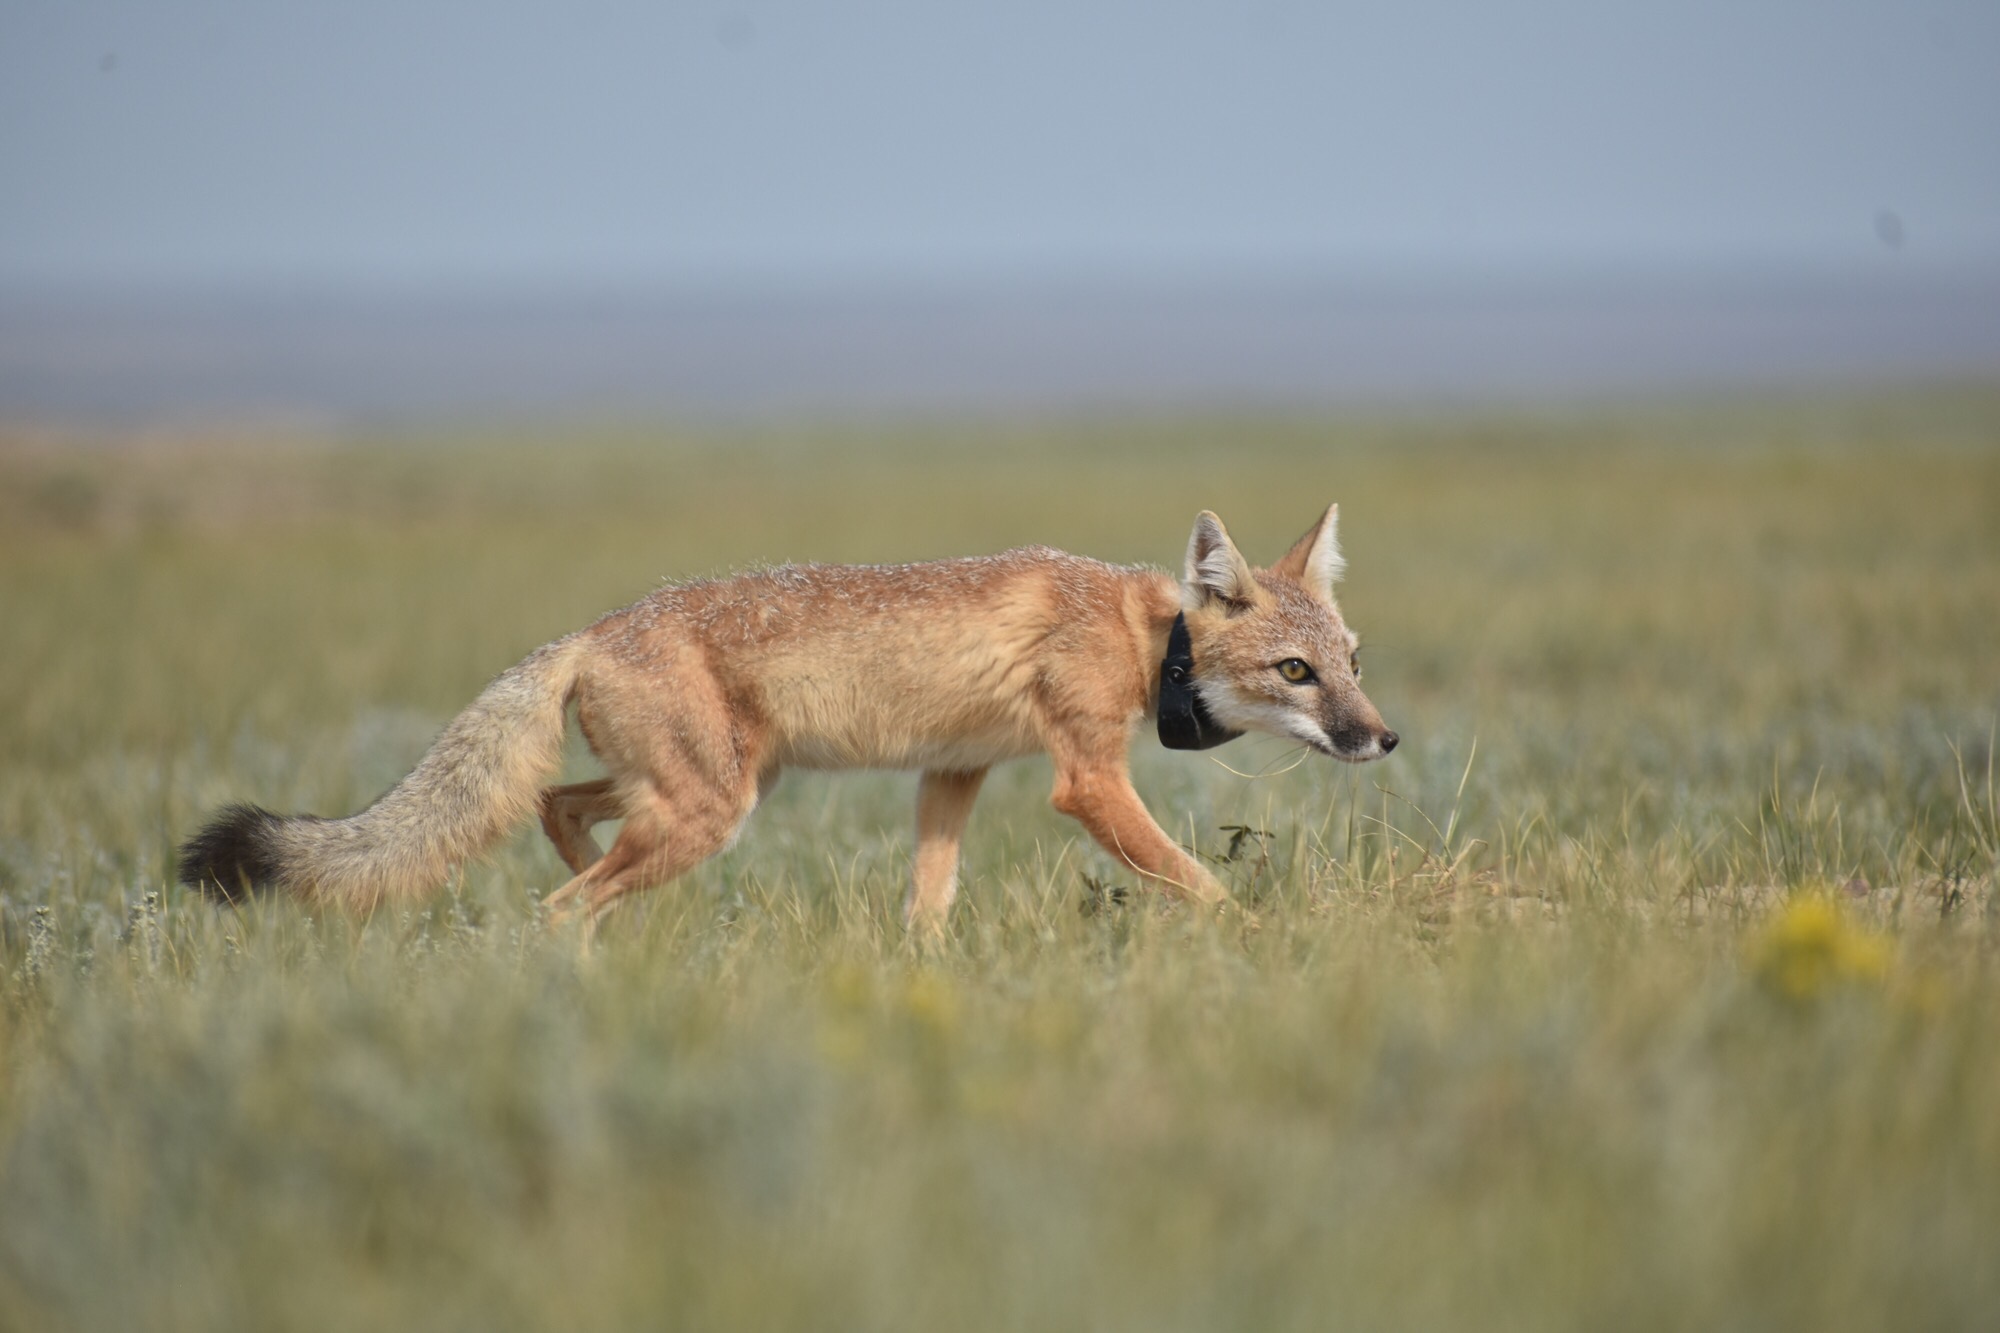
x: 697, y: 697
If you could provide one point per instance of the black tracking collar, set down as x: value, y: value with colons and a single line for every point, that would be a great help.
x: 1184, y: 721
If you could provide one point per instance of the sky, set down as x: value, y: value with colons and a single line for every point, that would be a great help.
x: 498, y: 143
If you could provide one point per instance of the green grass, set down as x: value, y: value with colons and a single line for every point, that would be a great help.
x: 1651, y: 984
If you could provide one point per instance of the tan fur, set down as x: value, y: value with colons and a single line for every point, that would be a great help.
x: 697, y: 697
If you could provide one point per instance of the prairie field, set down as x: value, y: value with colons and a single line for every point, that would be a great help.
x: 1651, y: 984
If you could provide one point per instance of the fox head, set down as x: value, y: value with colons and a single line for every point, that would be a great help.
x: 1270, y: 649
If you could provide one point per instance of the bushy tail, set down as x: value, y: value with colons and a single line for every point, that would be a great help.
x: 479, y: 779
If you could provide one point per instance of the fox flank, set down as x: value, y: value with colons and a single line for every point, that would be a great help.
x: 698, y: 697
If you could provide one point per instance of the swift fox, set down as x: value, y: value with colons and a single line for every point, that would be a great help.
x: 698, y: 696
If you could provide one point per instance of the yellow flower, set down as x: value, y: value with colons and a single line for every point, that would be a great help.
x: 1811, y: 946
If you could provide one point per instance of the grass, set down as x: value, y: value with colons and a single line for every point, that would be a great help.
x: 1651, y: 984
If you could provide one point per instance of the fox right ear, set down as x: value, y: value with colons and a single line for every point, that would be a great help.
x: 1214, y: 566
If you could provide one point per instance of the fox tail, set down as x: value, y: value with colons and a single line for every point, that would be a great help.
x: 479, y: 779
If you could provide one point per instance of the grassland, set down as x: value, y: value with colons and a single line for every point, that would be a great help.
x: 1651, y: 984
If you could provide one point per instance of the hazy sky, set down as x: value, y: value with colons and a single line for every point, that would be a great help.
x: 503, y: 142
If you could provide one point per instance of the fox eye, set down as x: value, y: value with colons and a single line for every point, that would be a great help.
x: 1295, y: 671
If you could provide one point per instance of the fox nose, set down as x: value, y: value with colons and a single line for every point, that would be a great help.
x: 1389, y: 739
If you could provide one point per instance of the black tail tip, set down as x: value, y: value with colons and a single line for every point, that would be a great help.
x: 234, y: 856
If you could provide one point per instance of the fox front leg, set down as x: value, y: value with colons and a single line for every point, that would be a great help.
x: 944, y: 802
x: 1101, y: 798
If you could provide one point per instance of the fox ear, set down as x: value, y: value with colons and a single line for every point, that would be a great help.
x: 1214, y: 566
x: 1314, y: 562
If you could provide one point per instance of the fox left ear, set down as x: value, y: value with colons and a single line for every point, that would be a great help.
x: 1315, y: 562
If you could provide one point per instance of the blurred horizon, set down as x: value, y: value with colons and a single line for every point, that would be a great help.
x: 326, y: 359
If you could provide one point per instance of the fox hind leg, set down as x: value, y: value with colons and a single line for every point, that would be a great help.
x: 685, y: 776
x: 644, y: 854
x: 664, y: 836
x: 568, y: 814
x: 636, y: 848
